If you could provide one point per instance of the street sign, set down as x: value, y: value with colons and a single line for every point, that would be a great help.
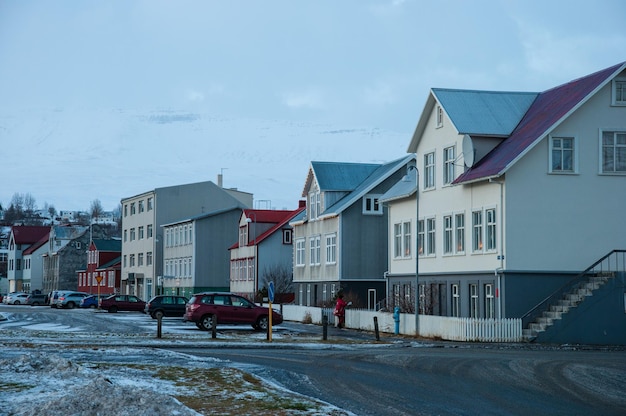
x: 270, y: 292
x: 99, y: 279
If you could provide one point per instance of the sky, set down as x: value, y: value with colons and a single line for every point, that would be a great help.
x: 106, y: 100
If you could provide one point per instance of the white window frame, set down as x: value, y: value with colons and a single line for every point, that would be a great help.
x: 556, y: 145
x: 431, y: 236
x: 474, y: 305
x: 448, y: 235
x: 490, y: 310
x: 477, y: 232
x: 429, y: 170
x: 421, y: 237
x: 331, y: 248
x: 449, y: 155
x: 439, y: 116
x: 456, y: 300
x: 618, y: 91
x: 315, y: 250
x: 491, y: 227
x: 615, y: 146
x: 402, y: 240
x: 372, y: 205
x: 459, y: 233
x: 300, y: 252
x: 397, y: 240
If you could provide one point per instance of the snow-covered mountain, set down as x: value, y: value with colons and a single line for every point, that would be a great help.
x: 69, y: 157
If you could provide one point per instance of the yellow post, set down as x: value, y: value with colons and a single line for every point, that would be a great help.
x: 270, y: 323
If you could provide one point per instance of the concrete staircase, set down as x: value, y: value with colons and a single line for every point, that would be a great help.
x: 569, y: 300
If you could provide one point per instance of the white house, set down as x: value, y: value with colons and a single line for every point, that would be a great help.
x: 518, y: 194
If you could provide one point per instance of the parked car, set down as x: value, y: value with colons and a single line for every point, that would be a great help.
x: 116, y: 303
x: 15, y: 298
x: 54, y: 295
x: 37, y: 299
x: 227, y: 308
x: 166, y: 305
x: 69, y: 300
x: 92, y: 301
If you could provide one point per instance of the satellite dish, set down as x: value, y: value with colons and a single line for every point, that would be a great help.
x: 468, y: 151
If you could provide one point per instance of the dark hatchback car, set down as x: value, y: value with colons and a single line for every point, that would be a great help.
x: 227, y: 308
x: 166, y: 305
x: 37, y: 299
x: 116, y: 303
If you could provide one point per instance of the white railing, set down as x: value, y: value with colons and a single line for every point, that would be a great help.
x: 440, y: 327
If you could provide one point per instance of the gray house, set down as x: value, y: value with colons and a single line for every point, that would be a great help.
x: 195, y: 252
x: 341, y: 243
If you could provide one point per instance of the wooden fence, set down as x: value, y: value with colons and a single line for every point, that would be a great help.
x: 440, y: 327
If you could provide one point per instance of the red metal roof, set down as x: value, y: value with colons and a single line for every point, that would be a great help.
x: 29, y: 234
x: 277, y: 217
x: 547, y: 111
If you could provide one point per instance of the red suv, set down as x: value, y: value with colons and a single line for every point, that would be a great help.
x: 227, y: 308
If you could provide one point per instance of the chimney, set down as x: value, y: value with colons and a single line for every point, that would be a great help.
x: 219, y: 180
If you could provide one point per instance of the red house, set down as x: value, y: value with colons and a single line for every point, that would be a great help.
x: 104, y: 264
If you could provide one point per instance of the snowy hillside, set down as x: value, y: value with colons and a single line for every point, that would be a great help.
x: 68, y: 158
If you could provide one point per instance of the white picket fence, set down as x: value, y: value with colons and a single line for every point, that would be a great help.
x: 439, y: 327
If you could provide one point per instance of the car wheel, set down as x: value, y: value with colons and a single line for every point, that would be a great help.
x: 93, y: 306
x: 17, y: 302
x: 70, y: 305
x: 113, y: 309
x: 262, y: 323
x: 206, y: 323
x: 158, y: 315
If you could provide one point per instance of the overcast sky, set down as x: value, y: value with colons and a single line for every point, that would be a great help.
x: 350, y: 64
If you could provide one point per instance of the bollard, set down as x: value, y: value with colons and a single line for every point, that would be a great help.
x: 324, y: 327
x: 396, y: 318
x: 159, y: 324
x: 376, y: 328
x: 214, y: 327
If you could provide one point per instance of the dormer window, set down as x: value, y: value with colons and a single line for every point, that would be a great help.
x: 372, y: 205
x: 315, y: 205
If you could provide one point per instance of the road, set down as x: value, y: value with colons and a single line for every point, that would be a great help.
x: 404, y: 377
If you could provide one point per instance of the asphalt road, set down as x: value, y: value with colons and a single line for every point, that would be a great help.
x: 399, y: 376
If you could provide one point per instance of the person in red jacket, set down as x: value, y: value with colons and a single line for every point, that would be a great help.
x: 340, y: 311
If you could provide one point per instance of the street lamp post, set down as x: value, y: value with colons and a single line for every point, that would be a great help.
x: 417, y: 220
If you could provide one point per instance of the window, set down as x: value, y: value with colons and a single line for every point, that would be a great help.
x: 447, y: 234
x: 402, y: 240
x: 126, y: 210
x: 315, y: 250
x: 448, y: 165
x: 614, y: 152
x: 429, y: 170
x: 439, y: 116
x: 133, y: 210
x: 140, y: 231
x: 300, y: 247
x: 149, y: 204
x: 331, y: 248
x: 562, y: 154
x: 489, y: 302
x: 430, y: 236
x: 473, y: 300
x: 455, y: 300
x: 420, y: 237
x: 459, y: 223
x: 619, y: 91
x: 141, y: 209
x: 477, y: 233
x: 490, y: 215
x: 132, y: 260
x: 149, y: 231
x: 371, y: 205
x: 149, y: 258
x: 140, y: 259
x: 287, y: 236
x: 125, y: 235
x: 132, y: 234
x: 315, y: 204
x: 243, y: 236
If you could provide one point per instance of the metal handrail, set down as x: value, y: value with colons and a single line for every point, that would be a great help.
x: 538, y: 309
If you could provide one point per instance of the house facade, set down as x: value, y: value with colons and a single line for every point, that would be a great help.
x: 20, y: 239
x: 144, y: 215
x: 341, y: 244
x: 195, y: 255
x: 32, y: 264
x: 263, y: 252
x: 64, y: 256
x: 518, y: 193
x: 104, y: 264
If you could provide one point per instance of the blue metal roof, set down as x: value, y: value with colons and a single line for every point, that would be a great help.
x: 490, y: 113
x: 337, y: 176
